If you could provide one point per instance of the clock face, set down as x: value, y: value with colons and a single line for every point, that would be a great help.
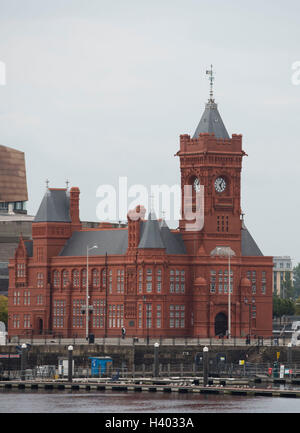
x: 196, y: 185
x: 220, y: 184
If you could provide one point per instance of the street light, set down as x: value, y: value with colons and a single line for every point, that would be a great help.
x: 70, y: 363
x: 226, y: 252
x: 23, y: 360
x: 156, y: 364
x: 205, y: 366
x: 87, y: 291
x: 147, y: 318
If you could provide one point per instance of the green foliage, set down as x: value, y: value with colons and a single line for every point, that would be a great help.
x: 283, y: 307
x: 296, y: 280
x: 288, y: 288
x: 4, y: 309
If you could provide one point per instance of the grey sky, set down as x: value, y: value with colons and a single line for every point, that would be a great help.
x: 101, y: 89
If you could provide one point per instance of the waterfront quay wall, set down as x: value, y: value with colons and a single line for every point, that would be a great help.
x: 128, y: 356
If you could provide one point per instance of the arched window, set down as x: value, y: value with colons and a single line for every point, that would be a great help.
x: 158, y: 280
x: 83, y: 278
x: 65, y: 277
x: 75, y: 278
x: 104, y: 278
x: 56, y: 279
x: 149, y: 280
x: 95, y: 277
x: 40, y: 279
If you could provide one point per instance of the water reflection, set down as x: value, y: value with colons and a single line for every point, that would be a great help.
x: 115, y: 402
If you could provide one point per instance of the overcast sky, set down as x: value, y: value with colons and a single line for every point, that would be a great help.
x: 100, y: 89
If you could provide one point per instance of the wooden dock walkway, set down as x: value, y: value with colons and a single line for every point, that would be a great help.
x: 239, y: 388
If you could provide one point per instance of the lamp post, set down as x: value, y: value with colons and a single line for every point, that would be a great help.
x: 205, y: 366
x: 87, y: 313
x: 70, y: 363
x: 147, y: 319
x: 226, y: 252
x: 23, y: 360
x: 156, y: 364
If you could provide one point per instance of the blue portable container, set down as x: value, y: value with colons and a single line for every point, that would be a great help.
x: 100, y: 365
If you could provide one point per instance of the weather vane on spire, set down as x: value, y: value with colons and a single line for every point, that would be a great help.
x: 211, y: 79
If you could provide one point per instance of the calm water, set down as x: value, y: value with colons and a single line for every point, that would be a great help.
x: 114, y: 402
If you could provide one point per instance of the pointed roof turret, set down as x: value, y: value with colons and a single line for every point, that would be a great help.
x: 211, y: 121
x: 55, y: 206
x: 150, y: 236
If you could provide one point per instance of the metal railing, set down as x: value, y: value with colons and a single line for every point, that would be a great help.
x: 134, y: 341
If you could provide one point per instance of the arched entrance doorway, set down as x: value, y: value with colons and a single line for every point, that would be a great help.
x: 221, y: 325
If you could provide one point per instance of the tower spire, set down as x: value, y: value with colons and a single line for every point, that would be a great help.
x: 211, y: 79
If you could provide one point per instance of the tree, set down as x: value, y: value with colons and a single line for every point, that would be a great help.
x: 4, y: 309
x: 288, y: 288
x: 296, y: 280
x: 283, y: 307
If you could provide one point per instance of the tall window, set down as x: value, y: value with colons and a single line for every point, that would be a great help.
x: 158, y: 316
x: 148, y: 316
x: 177, y: 316
x: 21, y: 270
x: 40, y: 279
x: 95, y: 278
x: 26, y: 320
x: 83, y: 279
x: 98, y: 313
x: 78, y: 317
x: 26, y: 297
x: 158, y: 280
x: 16, y: 321
x: 263, y: 282
x: 222, y: 223
x: 140, y: 313
x: 172, y: 281
x: 65, y: 278
x: 140, y: 281
x: 56, y: 279
x: 182, y: 281
x: 110, y: 281
x: 212, y: 281
x: 115, y: 316
x: 76, y: 278
x: 104, y: 278
x: 59, y: 311
x: 177, y: 281
x: 149, y: 280
x: 120, y: 281
x: 16, y: 298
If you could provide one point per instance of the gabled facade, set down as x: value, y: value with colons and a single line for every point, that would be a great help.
x: 145, y: 277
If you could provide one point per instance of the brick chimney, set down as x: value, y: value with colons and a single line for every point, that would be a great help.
x: 74, y: 208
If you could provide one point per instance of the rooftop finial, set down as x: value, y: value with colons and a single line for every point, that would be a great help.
x: 211, y: 79
x: 67, y: 183
x: 47, y: 183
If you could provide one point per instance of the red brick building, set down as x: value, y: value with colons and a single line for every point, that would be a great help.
x: 145, y: 277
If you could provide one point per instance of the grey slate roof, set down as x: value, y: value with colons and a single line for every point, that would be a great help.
x: 211, y: 122
x: 29, y: 247
x: 173, y: 241
x: 109, y: 241
x: 150, y: 234
x: 115, y: 241
x: 249, y: 246
x: 55, y: 207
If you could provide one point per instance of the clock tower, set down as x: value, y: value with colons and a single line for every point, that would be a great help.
x: 210, y: 164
